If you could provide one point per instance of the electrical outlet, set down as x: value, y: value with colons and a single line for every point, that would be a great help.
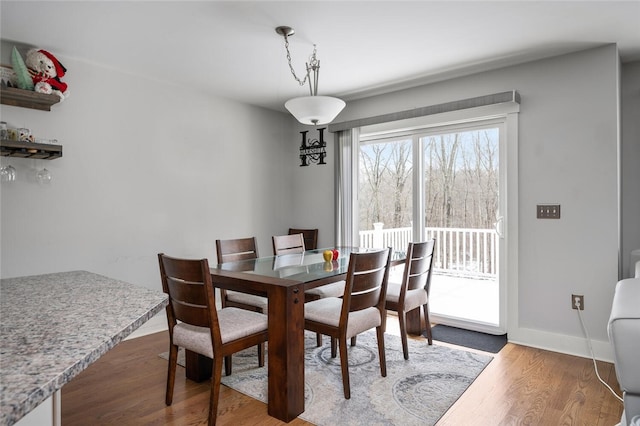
x: 548, y: 211
x: 580, y: 302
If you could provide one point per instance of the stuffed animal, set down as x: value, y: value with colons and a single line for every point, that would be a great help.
x: 46, y: 72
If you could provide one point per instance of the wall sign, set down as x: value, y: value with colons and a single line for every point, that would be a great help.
x: 313, y: 150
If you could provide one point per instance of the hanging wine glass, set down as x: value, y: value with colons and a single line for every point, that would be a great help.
x: 43, y: 176
x: 8, y: 173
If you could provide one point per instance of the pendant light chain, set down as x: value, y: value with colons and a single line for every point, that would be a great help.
x: 315, y: 64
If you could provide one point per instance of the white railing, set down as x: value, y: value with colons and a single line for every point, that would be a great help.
x: 458, y: 251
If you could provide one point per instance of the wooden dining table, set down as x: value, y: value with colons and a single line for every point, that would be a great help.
x: 283, y: 280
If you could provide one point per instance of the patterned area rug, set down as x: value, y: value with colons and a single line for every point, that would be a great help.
x: 415, y: 392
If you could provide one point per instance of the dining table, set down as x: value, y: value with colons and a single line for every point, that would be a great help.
x: 283, y: 280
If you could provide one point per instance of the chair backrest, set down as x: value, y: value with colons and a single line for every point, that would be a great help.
x: 288, y: 244
x: 310, y: 237
x: 366, y: 282
x: 417, y: 267
x: 237, y: 249
x: 191, y: 294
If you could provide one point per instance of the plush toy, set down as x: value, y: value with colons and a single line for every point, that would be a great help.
x: 46, y: 72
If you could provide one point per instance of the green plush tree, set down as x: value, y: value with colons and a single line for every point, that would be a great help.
x: 22, y: 73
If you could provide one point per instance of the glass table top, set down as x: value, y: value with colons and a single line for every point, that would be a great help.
x: 304, y: 267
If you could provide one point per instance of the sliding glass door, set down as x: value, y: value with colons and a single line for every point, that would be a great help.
x: 462, y: 210
x: 441, y: 182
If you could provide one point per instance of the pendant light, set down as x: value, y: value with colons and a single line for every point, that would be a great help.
x: 312, y: 109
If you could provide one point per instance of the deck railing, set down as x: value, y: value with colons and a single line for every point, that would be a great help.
x: 458, y: 251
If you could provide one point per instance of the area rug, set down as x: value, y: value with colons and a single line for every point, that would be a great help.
x: 469, y: 339
x: 417, y: 391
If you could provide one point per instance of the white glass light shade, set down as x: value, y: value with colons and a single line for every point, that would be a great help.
x: 315, y: 110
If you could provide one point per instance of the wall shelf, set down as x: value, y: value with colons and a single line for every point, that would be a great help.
x: 39, y: 151
x: 27, y: 99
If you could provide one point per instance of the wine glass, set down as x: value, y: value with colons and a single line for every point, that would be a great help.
x: 8, y: 173
x: 43, y: 176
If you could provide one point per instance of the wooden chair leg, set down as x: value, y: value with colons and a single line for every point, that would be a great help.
x: 171, y: 373
x: 318, y: 340
x: 344, y: 366
x: 427, y: 323
x: 353, y: 340
x: 381, y: 354
x: 334, y: 351
x: 261, y: 355
x: 228, y: 365
x: 216, y: 376
x: 402, y: 320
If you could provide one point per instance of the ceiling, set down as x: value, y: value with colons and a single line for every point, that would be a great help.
x: 231, y: 49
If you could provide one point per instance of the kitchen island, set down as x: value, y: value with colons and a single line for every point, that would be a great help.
x: 54, y: 326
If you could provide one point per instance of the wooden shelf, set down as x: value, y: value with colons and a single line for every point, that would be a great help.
x: 27, y: 98
x: 30, y: 150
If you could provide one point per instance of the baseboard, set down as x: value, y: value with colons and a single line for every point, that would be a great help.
x: 570, y: 345
x: 154, y: 325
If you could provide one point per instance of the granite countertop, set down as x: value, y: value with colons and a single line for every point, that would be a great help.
x: 54, y: 326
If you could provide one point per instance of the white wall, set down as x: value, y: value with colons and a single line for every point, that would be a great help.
x: 568, y: 147
x: 630, y: 160
x: 146, y: 167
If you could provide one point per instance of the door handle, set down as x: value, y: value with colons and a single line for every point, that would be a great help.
x: 499, y: 225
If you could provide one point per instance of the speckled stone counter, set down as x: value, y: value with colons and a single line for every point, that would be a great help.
x: 54, y: 326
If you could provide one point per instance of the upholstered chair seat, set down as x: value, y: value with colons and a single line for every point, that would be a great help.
x: 329, y: 290
x: 413, y: 298
x: 328, y: 311
x: 234, y: 324
x: 261, y: 303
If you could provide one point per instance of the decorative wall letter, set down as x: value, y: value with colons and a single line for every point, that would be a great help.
x: 313, y: 150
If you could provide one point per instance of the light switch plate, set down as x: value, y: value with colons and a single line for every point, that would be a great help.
x: 548, y: 211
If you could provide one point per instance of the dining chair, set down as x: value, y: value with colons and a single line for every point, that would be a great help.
x: 235, y: 250
x: 294, y: 244
x: 361, y: 308
x: 310, y: 237
x: 288, y: 244
x: 196, y: 325
x: 413, y: 291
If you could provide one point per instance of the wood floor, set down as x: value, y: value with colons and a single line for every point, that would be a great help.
x: 521, y: 386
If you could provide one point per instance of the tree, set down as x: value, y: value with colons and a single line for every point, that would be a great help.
x: 461, y: 180
x: 373, y: 163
